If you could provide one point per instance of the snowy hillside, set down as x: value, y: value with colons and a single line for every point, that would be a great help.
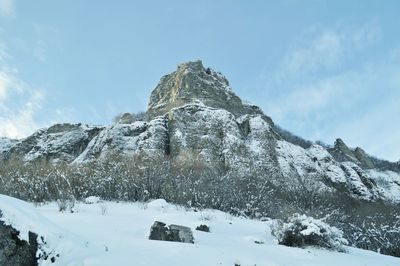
x: 199, y: 145
x: 110, y: 233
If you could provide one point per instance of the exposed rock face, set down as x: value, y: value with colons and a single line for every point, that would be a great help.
x: 193, y: 110
x: 363, y: 158
x: 14, y: 251
x: 173, y: 232
x: 343, y: 153
x: 317, y: 163
x: 191, y: 82
x: 149, y: 137
x: 61, y: 142
x: 221, y: 139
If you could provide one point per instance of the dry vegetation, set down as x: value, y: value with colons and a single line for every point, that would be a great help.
x: 189, y: 181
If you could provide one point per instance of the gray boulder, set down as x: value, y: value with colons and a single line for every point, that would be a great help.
x: 173, y: 232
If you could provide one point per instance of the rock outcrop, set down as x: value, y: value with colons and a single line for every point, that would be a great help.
x: 14, y: 251
x: 58, y: 143
x: 190, y: 83
x: 343, y: 153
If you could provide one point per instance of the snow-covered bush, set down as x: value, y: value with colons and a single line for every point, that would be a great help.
x: 92, y: 200
x: 191, y: 181
x: 303, y: 231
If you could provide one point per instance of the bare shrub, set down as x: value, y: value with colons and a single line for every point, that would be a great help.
x: 103, y: 209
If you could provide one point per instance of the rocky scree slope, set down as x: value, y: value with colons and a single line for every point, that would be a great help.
x: 194, y: 110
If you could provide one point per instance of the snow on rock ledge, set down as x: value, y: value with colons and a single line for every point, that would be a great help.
x: 318, y: 163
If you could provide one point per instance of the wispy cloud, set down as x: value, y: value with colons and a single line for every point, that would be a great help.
x: 19, y: 101
x: 20, y: 122
x: 325, y: 87
x: 7, y: 7
x: 325, y: 49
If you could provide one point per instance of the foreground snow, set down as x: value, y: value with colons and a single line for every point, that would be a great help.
x: 110, y: 233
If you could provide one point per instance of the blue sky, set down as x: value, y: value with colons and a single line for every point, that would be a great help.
x: 321, y: 69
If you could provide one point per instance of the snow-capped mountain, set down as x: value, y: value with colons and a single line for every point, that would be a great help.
x: 194, y: 109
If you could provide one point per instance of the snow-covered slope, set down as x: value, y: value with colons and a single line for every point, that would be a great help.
x: 109, y: 233
x: 5, y: 145
x: 318, y: 162
x: 149, y: 137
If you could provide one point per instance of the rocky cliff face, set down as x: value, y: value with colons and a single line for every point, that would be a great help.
x: 343, y: 153
x: 192, y: 83
x: 194, y: 110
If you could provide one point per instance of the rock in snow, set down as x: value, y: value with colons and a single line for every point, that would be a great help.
x: 173, y: 232
x: 14, y: 251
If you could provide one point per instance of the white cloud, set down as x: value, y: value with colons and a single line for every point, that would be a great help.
x: 19, y: 102
x: 20, y: 122
x: 7, y: 7
x: 326, y: 49
x: 323, y: 52
x: 318, y: 94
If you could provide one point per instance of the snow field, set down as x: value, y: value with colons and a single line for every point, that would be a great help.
x: 118, y: 236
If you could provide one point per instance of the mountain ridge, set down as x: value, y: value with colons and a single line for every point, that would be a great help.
x: 194, y: 110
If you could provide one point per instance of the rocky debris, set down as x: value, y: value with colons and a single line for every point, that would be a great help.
x: 174, y: 233
x: 203, y: 228
x: 14, y: 251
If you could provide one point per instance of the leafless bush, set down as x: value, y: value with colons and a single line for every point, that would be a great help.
x: 103, y: 209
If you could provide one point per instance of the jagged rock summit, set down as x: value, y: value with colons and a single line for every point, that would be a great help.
x: 192, y: 83
x: 343, y: 153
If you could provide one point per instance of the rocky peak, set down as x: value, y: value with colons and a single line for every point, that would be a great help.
x: 193, y: 83
x: 363, y: 158
x: 340, y: 145
x: 343, y: 153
